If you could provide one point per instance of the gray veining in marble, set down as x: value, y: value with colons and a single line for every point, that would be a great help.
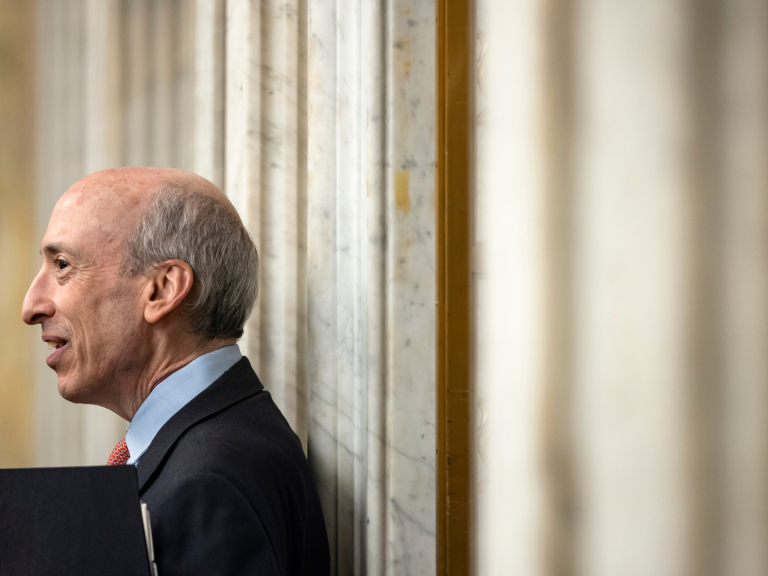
x: 371, y: 287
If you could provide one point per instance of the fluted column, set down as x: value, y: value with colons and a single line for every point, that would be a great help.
x: 371, y: 281
x: 209, y: 44
x: 343, y: 331
x: 265, y: 177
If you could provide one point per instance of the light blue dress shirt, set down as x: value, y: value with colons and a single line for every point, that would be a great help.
x: 173, y: 393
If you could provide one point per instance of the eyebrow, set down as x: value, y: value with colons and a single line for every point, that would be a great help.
x: 56, y: 248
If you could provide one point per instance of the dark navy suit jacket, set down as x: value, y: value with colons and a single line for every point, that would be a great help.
x: 229, y: 490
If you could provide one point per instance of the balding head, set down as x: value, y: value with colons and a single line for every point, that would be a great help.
x: 108, y: 204
x: 140, y: 265
x: 197, y: 224
x: 119, y: 196
x: 138, y: 182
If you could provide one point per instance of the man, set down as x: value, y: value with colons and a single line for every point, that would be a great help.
x: 147, y: 280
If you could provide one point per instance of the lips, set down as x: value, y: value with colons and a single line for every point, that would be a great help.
x: 58, y: 347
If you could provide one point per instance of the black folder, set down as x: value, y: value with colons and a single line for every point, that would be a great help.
x: 72, y: 521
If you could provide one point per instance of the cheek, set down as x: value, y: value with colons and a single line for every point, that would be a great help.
x: 105, y: 319
x: 123, y: 314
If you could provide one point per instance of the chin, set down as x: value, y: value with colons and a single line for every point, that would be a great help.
x: 71, y: 392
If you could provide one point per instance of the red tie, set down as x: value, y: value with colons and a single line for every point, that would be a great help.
x: 119, y: 454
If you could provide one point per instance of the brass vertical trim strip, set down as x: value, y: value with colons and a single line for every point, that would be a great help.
x: 455, y: 130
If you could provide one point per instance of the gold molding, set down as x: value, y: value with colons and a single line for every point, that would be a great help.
x: 455, y: 129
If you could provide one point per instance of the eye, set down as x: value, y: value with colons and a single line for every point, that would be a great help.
x: 61, y: 264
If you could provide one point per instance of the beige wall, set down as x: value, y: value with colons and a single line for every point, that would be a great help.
x: 622, y: 287
x: 16, y: 229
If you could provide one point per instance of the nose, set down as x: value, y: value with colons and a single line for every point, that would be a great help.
x: 37, y: 305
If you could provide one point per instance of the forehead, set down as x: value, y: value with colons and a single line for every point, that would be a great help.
x: 93, y: 225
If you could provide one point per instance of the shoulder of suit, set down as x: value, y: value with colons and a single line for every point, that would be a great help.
x: 252, y: 432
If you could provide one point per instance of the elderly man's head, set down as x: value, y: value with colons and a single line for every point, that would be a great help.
x: 143, y: 270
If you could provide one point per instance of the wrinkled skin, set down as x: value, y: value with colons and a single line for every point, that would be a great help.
x: 120, y: 334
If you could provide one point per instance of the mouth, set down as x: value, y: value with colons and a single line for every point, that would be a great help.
x: 57, y: 347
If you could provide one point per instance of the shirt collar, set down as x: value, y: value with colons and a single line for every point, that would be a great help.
x: 173, y: 393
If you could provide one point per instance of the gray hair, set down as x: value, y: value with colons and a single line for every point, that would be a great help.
x: 208, y: 235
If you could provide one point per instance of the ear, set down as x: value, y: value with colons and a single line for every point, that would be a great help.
x: 169, y: 283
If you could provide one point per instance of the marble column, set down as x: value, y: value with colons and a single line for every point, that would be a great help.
x: 371, y: 281
x: 264, y: 174
x: 329, y: 158
x: 209, y: 45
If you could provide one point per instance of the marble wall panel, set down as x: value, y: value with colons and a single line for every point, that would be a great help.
x: 209, y: 44
x: 371, y: 288
x: 343, y: 332
x: 265, y: 177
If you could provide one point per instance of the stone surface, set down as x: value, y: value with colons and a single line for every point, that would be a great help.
x: 371, y: 281
x: 265, y: 177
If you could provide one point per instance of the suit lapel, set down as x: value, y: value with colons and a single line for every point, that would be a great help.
x: 237, y: 383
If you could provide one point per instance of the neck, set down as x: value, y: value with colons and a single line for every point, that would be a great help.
x: 166, y: 358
